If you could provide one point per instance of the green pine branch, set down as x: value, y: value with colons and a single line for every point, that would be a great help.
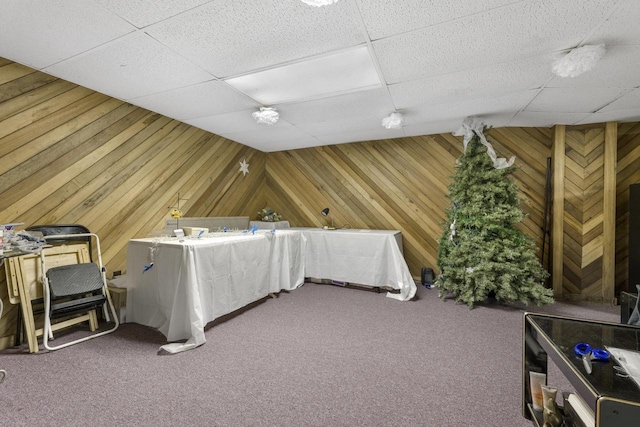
x: 481, y: 252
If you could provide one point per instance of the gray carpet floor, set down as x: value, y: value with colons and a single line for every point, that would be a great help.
x: 320, y: 355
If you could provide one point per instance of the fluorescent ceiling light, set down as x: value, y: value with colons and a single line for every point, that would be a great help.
x: 344, y: 72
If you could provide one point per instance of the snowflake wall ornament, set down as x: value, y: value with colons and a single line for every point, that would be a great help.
x: 244, y: 167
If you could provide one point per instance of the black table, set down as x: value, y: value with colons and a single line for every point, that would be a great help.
x: 614, y: 400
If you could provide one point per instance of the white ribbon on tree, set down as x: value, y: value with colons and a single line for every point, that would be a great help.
x: 470, y: 126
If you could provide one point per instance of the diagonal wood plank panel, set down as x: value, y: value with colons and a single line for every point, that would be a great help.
x: 398, y: 184
x: 583, y: 213
x: 628, y: 173
x: 71, y: 155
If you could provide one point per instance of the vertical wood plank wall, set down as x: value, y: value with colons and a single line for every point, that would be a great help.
x: 599, y: 163
x: 557, y: 226
x: 628, y: 173
x: 71, y: 155
x: 609, y: 212
x: 583, y: 212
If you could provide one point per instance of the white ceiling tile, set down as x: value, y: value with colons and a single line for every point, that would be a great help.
x: 281, y: 130
x: 453, y: 125
x: 494, y: 36
x: 145, y: 12
x: 325, y: 75
x: 498, y: 120
x: 231, y: 37
x: 618, y: 68
x: 361, y: 135
x: 132, y: 66
x: 446, y: 61
x: 290, y: 145
x: 238, y: 121
x: 507, y: 104
x: 629, y: 101
x: 385, y: 18
x: 204, y: 99
x: 490, y: 80
x: 432, y: 128
x: 534, y: 119
x: 263, y: 137
x: 621, y: 28
x: 631, y: 115
x: 343, y: 125
x: 374, y: 103
x: 42, y: 33
x: 574, y: 100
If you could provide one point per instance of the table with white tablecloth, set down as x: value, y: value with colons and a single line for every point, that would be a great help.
x: 179, y: 285
x: 268, y: 225
x: 369, y: 257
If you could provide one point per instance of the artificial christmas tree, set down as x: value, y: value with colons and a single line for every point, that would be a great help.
x: 481, y: 252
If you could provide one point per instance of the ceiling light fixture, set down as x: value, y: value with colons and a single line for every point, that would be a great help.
x: 266, y: 116
x: 319, y: 3
x: 321, y: 76
x: 393, y: 121
x: 578, y: 60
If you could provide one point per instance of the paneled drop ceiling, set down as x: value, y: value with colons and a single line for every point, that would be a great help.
x: 335, y: 72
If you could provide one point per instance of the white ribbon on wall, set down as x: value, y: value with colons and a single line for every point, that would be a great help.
x: 470, y: 126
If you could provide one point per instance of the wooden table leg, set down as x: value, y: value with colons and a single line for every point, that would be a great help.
x: 29, y: 322
x: 27, y: 317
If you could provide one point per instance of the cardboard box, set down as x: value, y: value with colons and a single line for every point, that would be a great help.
x: 194, y: 231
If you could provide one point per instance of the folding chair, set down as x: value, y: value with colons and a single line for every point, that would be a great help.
x: 48, y: 230
x: 62, y: 229
x: 74, y: 289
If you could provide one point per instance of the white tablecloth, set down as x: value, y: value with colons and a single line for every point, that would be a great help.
x: 194, y: 281
x: 266, y: 225
x: 369, y: 257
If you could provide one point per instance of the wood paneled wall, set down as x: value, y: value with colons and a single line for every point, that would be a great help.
x: 583, y: 212
x: 628, y: 173
x: 398, y: 184
x: 597, y: 165
x: 71, y: 155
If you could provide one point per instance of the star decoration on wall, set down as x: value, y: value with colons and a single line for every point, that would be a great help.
x: 244, y: 167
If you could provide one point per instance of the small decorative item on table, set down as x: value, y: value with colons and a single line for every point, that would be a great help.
x: 176, y: 214
x: 269, y: 215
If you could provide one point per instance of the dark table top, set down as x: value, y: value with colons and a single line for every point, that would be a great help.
x: 565, y: 333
